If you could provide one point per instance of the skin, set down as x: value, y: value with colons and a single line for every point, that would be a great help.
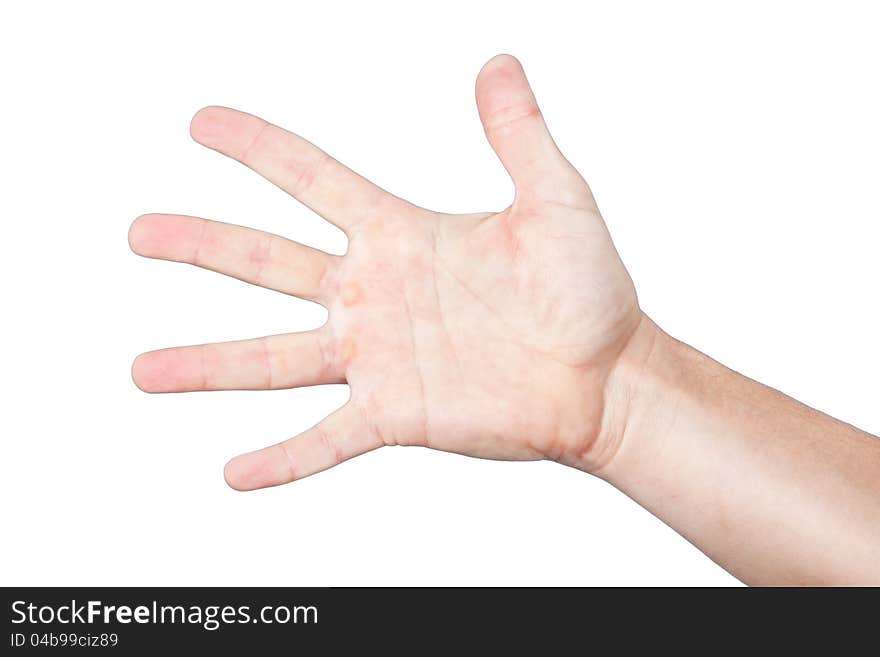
x: 516, y: 335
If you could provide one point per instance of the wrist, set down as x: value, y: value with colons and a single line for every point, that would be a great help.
x: 639, y: 400
x: 657, y: 389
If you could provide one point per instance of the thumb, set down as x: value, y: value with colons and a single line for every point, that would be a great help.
x: 517, y: 132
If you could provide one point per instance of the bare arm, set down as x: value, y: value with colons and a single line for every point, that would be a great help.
x: 774, y: 491
x: 514, y: 335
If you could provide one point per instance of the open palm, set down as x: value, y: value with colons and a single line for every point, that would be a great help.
x: 492, y: 335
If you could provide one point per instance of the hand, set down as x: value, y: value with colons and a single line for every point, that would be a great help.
x: 492, y: 335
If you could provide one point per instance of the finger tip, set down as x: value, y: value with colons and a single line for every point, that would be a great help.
x: 206, y: 124
x: 139, y: 371
x: 499, y: 65
x: 138, y: 233
x: 501, y: 83
x: 153, y: 373
x: 256, y: 470
x: 230, y: 476
x: 166, y: 236
x: 236, y: 476
x: 502, y: 60
x: 245, y: 473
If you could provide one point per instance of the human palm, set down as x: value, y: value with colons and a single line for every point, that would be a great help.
x: 492, y: 335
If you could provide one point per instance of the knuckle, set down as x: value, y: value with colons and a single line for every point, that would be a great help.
x: 306, y: 173
x: 329, y: 444
x: 505, y: 119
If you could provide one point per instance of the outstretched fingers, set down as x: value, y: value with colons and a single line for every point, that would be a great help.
x: 297, y: 166
x: 250, y: 255
x: 270, y: 363
x: 340, y: 436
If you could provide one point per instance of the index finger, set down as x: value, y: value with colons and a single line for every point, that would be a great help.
x: 297, y: 166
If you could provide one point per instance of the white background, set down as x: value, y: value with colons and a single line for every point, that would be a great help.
x: 734, y: 153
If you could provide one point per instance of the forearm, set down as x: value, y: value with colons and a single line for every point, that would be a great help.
x: 774, y: 491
